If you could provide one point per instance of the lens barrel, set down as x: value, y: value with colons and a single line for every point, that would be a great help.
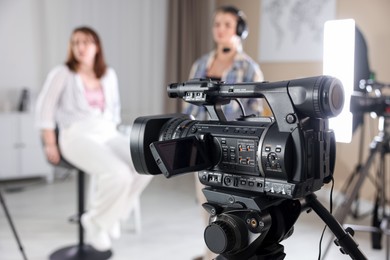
x: 319, y: 97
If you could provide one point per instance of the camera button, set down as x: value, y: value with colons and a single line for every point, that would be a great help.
x: 290, y: 118
x: 194, y: 129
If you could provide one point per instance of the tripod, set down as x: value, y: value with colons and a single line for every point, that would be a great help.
x: 379, y: 147
x: 12, y: 225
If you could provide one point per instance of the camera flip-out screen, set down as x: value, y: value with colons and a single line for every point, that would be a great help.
x: 179, y: 156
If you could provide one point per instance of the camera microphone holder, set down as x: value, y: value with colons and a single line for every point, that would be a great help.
x: 273, y: 219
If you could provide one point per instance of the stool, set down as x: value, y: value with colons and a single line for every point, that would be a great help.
x: 80, y: 251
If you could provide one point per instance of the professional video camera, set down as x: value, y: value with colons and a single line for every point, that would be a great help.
x: 256, y: 168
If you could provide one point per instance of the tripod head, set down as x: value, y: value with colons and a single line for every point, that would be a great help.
x: 248, y: 227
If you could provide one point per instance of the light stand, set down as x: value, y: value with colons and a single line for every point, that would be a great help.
x: 12, y: 226
x: 379, y: 147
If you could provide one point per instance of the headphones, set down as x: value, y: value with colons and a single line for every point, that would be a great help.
x: 242, y: 27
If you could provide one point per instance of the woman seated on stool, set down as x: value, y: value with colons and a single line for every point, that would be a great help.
x: 81, y: 98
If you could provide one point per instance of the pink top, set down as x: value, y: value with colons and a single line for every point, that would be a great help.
x: 95, y: 98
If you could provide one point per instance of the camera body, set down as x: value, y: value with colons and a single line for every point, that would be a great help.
x: 255, y: 169
x: 289, y: 155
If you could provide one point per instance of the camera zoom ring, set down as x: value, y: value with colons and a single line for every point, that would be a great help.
x: 168, y: 130
x: 175, y: 128
x: 317, y: 98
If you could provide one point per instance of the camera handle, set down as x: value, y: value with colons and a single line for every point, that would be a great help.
x: 344, y: 238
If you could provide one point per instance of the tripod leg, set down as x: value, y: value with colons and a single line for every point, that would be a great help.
x: 343, y: 210
x: 347, y: 184
x: 379, y: 212
x: 376, y: 237
x: 12, y: 226
x: 350, y: 195
x: 344, y: 239
x: 385, y: 225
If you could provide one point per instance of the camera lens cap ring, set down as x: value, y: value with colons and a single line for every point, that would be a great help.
x: 336, y: 98
x: 331, y: 97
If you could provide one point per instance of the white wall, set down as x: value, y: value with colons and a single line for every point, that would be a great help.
x: 20, y: 51
x: 35, y: 33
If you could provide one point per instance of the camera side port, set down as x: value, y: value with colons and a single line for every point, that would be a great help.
x: 228, y: 180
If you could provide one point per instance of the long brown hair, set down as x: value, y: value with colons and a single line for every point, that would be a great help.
x: 100, y: 64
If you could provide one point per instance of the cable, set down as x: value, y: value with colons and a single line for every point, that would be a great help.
x: 330, y: 210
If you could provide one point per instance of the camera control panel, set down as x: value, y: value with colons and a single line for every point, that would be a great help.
x: 238, y: 155
x: 247, y: 183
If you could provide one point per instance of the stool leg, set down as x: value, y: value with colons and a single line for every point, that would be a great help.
x: 81, y: 207
x: 80, y: 251
x: 137, y: 216
x: 134, y: 219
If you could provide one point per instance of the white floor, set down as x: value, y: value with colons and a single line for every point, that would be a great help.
x: 171, y: 225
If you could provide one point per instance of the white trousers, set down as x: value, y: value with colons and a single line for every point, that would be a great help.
x: 97, y: 148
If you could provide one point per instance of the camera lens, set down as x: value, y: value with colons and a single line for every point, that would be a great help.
x: 333, y: 97
x: 319, y: 97
x: 337, y: 98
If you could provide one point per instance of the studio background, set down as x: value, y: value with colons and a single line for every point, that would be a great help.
x: 371, y: 18
x: 35, y: 35
x: 138, y: 44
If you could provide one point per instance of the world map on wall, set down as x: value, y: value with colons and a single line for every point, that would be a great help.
x: 292, y: 30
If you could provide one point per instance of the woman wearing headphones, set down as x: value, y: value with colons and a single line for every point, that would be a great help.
x: 229, y: 63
